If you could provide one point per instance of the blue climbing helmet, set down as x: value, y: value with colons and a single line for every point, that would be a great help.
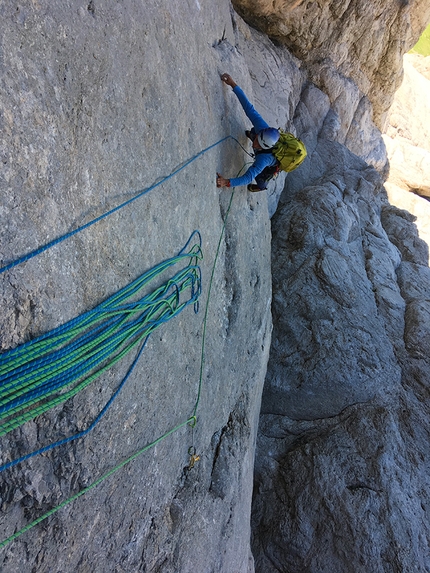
x: 268, y: 137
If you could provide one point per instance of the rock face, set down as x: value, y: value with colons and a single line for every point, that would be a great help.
x: 98, y: 101
x: 407, y: 139
x: 355, y: 39
x: 407, y: 135
x: 341, y: 483
x: 417, y: 206
x: 349, y: 499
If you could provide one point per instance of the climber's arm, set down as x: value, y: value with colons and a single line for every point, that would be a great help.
x: 253, y: 115
x: 261, y: 162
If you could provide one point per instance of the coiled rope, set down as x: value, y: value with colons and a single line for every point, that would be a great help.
x: 52, y: 368
x: 193, y: 282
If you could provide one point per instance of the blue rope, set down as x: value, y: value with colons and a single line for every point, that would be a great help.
x: 34, y: 368
x: 83, y: 433
x: 152, y: 310
x: 62, y: 332
x: 47, y: 246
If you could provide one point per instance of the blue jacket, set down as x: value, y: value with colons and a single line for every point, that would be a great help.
x: 262, y: 160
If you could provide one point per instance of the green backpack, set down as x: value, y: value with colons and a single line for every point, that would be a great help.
x: 289, y: 151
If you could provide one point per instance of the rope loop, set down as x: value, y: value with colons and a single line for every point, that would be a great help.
x: 112, y: 327
x: 39, y: 375
x: 192, y: 421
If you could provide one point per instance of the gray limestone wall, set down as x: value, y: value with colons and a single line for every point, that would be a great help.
x: 341, y: 478
x: 100, y: 100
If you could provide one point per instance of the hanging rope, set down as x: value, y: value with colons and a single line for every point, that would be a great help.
x: 190, y: 421
x: 62, y: 238
x: 83, y: 433
x: 96, y: 337
x: 93, y: 485
x: 202, y: 357
x: 52, y: 368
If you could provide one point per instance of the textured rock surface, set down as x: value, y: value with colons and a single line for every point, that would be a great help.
x: 341, y: 480
x: 355, y: 39
x: 407, y: 135
x: 350, y: 500
x: 418, y: 206
x: 99, y: 100
x: 407, y: 138
x: 410, y: 165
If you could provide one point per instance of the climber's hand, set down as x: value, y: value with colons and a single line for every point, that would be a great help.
x: 221, y: 181
x: 227, y: 79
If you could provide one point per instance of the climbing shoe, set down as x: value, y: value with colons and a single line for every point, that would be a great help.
x: 254, y: 188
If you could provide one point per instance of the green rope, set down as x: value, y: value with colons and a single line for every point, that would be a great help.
x: 190, y: 421
x: 53, y: 368
x: 93, y: 485
x: 202, y: 358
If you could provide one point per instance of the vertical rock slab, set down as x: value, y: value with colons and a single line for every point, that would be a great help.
x: 350, y: 494
x: 100, y: 100
x: 341, y: 481
x: 328, y: 245
x: 364, y: 43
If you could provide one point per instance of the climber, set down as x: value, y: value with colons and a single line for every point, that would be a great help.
x: 263, y: 139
